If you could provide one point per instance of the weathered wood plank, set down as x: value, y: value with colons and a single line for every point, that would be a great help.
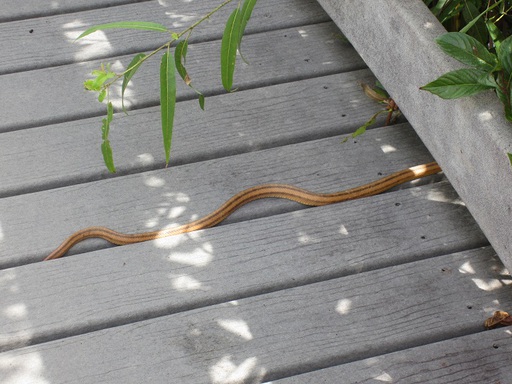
x: 23, y: 50
x: 171, y: 196
x: 484, y: 357
x: 55, y: 94
x: 274, y: 116
x: 287, y: 332
x: 190, y: 271
x: 17, y: 10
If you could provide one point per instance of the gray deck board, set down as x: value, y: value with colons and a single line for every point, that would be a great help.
x: 16, y: 10
x: 479, y: 358
x: 262, y: 336
x: 22, y: 49
x: 188, y: 271
x: 55, y: 94
x: 178, y: 194
x: 392, y: 288
x: 274, y: 115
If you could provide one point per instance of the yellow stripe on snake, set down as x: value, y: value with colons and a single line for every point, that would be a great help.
x: 262, y: 191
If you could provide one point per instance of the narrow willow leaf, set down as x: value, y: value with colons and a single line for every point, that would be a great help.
x: 108, y: 157
x: 505, y: 56
x: 180, y: 56
x: 437, y: 8
x: 105, y: 128
x: 476, y: 24
x: 510, y: 158
x: 132, y: 68
x: 201, y: 101
x: 467, y: 50
x: 142, y: 25
x: 230, y: 40
x: 476, y: 18
x: 460, y: 83
x: 106, y: 149
x: 450, y: 9
x: 245, y: 15
x: 167, y: 100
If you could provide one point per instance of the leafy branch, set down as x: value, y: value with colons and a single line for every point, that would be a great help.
x: 169, y: 65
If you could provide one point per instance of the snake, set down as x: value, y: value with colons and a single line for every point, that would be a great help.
x: 262, y: 191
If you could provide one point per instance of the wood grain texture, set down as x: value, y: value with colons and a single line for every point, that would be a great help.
x: 129, y: 283
x: 56, y: 94
x: 273, y: 116
x: 172, y: 196
x: 23, y: 49
x: 286, y: 332
x: 484, y: 357
x: 16, y: 10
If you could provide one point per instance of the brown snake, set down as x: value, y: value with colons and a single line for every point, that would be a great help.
x: 262, y: 191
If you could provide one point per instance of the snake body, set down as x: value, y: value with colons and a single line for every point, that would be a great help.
x: 282, y: 191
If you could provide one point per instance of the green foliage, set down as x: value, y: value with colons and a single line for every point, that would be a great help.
x: 484, y: 43
x: 489, y: 71
x: 379, y: 94
x: 169, y: 65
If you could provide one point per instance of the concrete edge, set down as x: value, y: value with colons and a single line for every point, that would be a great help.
x: 468, y: 137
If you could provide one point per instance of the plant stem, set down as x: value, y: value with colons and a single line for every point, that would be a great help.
x: 169, y: 43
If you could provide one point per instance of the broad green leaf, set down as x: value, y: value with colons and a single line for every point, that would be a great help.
x: 167, y: 100
x: 230, y: 40
x: 132, y: 68
x: 505, y: 56
x: 245, y: 15
x: 467, y: 50
x: 180, y: 55
x: 460, y: 83
x: 142, y: 25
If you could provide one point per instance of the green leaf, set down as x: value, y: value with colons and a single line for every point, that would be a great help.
x: 460, y: 83
x: 510, y: 158
x: 467, y: 50
x: 495, y: 33
x: 450, y: 10
x: 201, y: 101
x: 108, y: 157
x: 180, y: 54
x: 142, y: 25
x: 167, y: 100
x: 132, y: 68
x: 102, y: 95
x: 230, y: 40
x: 475, y: 24
x: 106, y: 149
x: 505, y: 56
x: 476, y: 18
x: 105, y: 129
x: 245, y: 15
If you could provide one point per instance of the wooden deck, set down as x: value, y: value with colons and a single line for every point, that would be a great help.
x: 393, y: 288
